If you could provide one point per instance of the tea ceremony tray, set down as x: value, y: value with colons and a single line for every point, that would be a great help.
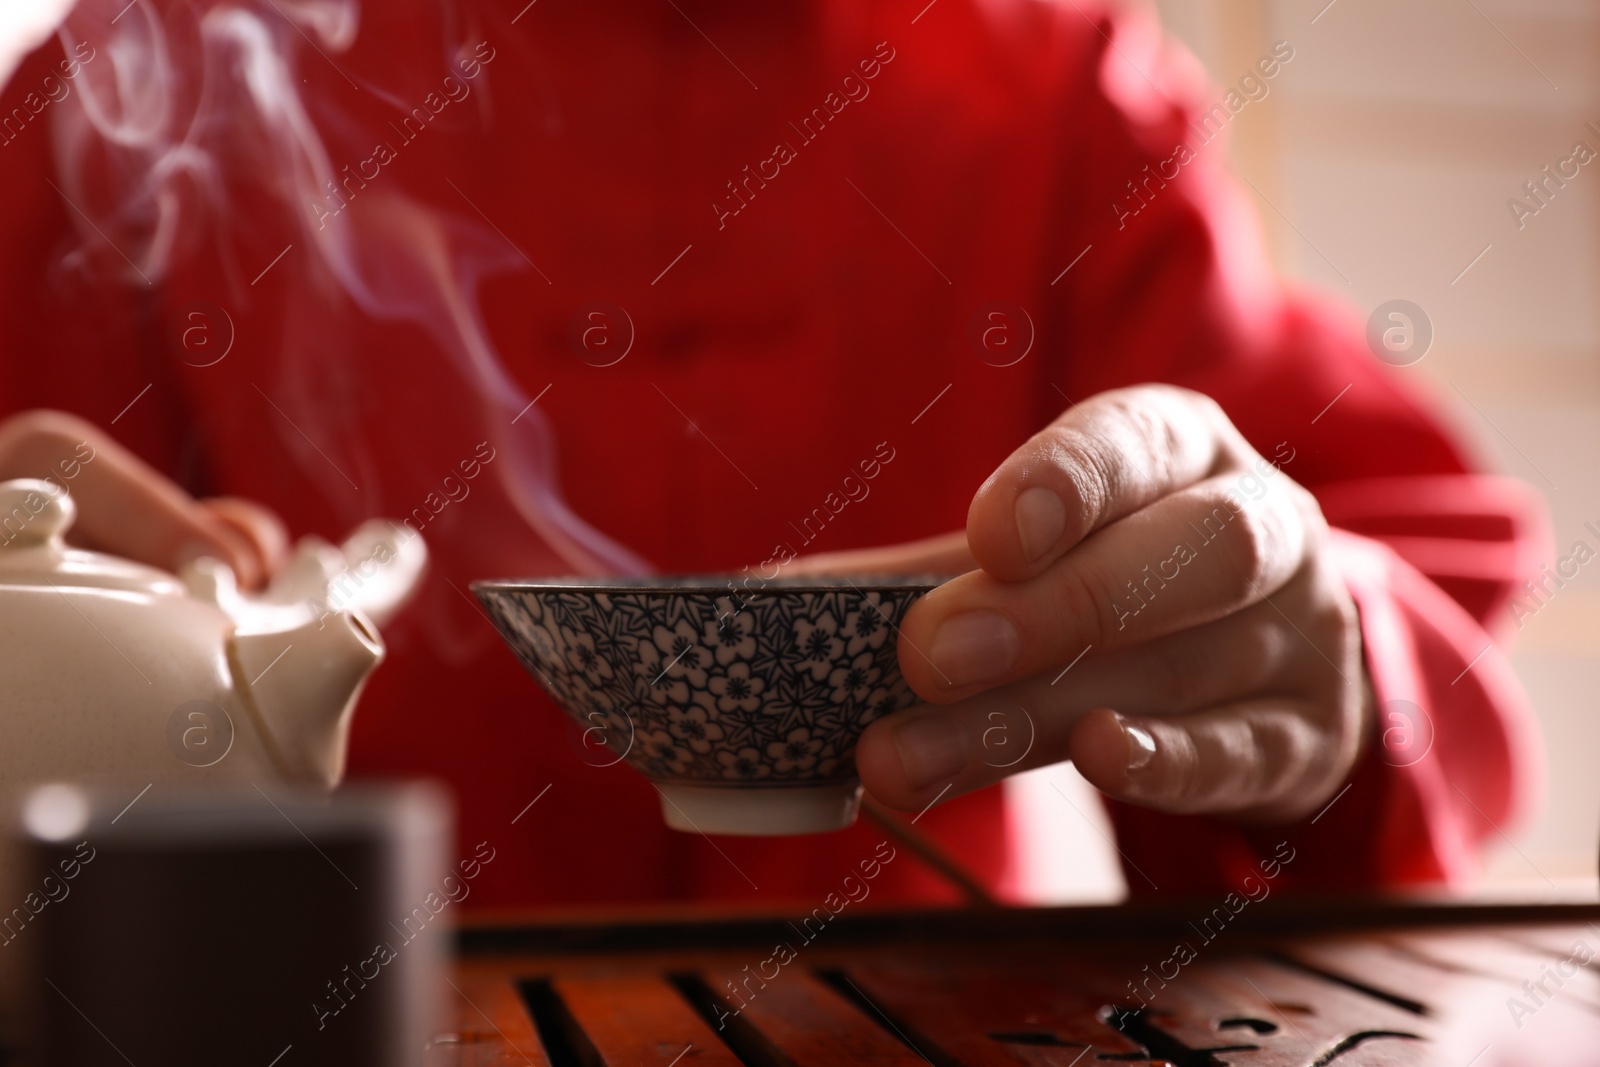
x: 1291, y: 983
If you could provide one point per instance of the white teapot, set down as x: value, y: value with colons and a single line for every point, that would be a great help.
x: 111, y: 670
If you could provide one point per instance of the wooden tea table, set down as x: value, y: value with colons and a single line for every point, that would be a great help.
x: 1285, y: 983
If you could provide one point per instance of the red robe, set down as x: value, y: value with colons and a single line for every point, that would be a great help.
x: 810, y: 216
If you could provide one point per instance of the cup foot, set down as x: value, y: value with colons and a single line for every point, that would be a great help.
x: 760, y: 812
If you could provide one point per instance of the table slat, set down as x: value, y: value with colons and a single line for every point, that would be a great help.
x: 813, y: 1024
x: 1471, y: 1009
x: 640, y: 1020
x: 984, y: 1017
x: 1508, y: 962
x: 491, y: 1024
x: 1292, y: 1018
x: 1339, y: 999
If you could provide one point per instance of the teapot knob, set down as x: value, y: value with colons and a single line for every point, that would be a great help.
x: 33, y: 512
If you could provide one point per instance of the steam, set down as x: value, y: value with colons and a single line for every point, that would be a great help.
x: 171, y: 117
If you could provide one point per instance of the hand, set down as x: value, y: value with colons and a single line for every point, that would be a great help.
x: 128, y: 508
x: 1145, y: 595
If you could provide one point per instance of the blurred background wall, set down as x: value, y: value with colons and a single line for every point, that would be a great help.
x: 1383, y: 162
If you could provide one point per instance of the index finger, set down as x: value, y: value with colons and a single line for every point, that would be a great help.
x: 125, y: 506
x: 1102, y: 460
x: 1194, y: 556
x: 943, y: 554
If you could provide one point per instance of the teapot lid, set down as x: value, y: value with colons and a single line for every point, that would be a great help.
x: 34, y: 518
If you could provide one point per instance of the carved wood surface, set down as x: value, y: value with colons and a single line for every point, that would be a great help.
x: 1480, y: 995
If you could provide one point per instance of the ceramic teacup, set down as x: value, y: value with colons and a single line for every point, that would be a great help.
x: 742, y: 701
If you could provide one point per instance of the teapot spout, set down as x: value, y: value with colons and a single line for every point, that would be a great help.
x: 302, y: 683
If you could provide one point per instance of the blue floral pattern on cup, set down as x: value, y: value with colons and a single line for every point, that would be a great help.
x: 698, y: 683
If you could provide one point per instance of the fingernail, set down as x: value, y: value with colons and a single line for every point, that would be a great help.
x: 1141, y: 745
x: 933, y: 748
x: 1041, y: 519
x: 974, y: 647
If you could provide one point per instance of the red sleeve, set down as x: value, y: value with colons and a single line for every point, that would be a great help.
x: 1175, y: 287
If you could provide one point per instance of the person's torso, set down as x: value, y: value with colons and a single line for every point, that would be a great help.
x: 733, y: 259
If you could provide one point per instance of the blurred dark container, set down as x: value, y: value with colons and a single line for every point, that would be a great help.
x: 226, y: 926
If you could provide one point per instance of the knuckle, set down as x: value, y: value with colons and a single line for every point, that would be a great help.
x: 1187, y: 395
x: 1314, y: 522
x: 1244, y: 552
x: 1196, y: 403
x: 1287, y: 749
x: 1335, y: 619
x: 1245, y: 758
x: 1083, y: 601
x: 1348, y: 641
x: 1155, y: 439
x: 1171, y: 676
x: 1186, y: 786
x: 1293, y: 761
x: 1080, y: 459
